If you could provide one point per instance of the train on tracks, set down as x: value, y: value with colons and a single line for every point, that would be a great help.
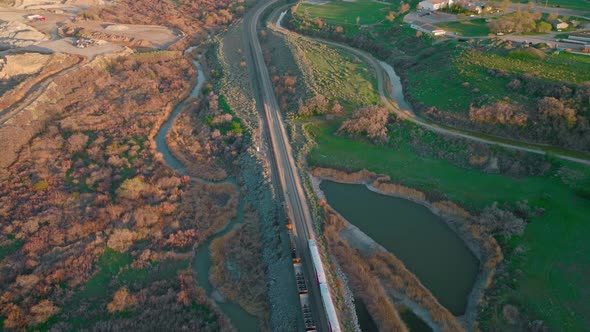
x: 327, y: 303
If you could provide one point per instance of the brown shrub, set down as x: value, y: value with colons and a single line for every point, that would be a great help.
x: 370, y: 121
x: 42, y: 311
x: 122, y: 300
x: 121, y: 239
x: 238, y: 267
x: 499, y: 113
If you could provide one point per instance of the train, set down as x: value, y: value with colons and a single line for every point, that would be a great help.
x: 327, y: 302
x: 303, y: 290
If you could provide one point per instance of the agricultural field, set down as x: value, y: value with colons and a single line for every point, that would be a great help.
x: 562, y: 67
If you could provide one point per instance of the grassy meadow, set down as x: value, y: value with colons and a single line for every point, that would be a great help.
x: 468, y: 28
x: 581, y: 5
x: 339, y: 75
x: 441, y: 84
x: 346, y: 13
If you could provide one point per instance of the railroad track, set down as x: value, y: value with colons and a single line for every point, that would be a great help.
x: 284, y: 165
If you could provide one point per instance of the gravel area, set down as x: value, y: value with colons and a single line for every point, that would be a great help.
x: 255, y: 177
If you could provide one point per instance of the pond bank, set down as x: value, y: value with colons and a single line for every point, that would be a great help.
x: 460, y: 221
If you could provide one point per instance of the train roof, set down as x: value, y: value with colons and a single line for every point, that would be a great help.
x: 317, y: 261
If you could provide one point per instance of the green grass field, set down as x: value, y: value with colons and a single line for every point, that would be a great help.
x: 440, y: 84
x: 557, y: 265
x: 468, y: 28
x: 549, y: 280
x: 345, y: 13
x: 561, y: 67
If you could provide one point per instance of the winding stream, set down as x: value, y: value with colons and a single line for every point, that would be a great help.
x: 240, y: 319
x: 397, y: 90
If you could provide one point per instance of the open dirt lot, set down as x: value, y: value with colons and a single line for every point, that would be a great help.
x: 158, y: 36
x: 65, y: 45
x: 68, y: 4
x: 22, y: 64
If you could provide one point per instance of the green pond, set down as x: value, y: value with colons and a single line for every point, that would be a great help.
x: 421, y: 239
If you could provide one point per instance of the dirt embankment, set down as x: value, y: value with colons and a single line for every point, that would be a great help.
x: 485, y: 247
x: 255, y: 178
x: 15, y: 34
x: 378, y: 277
x: 28, y: 64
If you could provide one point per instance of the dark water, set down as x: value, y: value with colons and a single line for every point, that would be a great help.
x: 426, y: 245
x: 160, y: 138
x: 397, y: 90
x: 413, y: 322
x: 365, y: 320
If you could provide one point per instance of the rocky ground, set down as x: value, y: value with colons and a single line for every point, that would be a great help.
x: 256, y: 178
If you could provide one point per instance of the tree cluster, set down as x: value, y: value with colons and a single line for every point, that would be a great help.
x: 501, y: 222
x: 501, y: 112
x: 519, y: 22
x: 370, y: 121
x: 318, y: 105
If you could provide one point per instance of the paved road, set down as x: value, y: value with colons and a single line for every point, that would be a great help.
x: 382, y: 74
x: 290, y: 182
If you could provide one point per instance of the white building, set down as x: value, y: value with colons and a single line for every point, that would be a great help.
x: 428, y: 28
x: 434, y: 4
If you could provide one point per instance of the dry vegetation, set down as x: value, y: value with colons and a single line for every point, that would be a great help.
x: 362, y: 281
x: 190, y: 142
x: 370, y: 121
x: 238, y: 265
x: 104, y: 239
x: 191, y: 17
x: 94, y: 189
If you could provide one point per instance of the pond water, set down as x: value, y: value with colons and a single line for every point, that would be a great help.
x: 366, y: 322
x: 424, y: 242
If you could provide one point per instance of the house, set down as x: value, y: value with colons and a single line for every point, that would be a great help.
x: 428, y: 28
x: 434, y: 4
x: 559, y: 24
x: 474, y: 6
